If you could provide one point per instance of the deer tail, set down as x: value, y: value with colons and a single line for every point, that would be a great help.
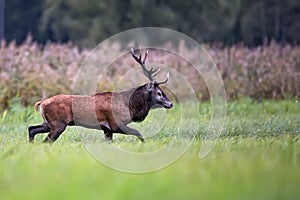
x: 36, y: 105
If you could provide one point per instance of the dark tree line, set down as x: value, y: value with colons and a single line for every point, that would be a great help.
x: 88, y: 22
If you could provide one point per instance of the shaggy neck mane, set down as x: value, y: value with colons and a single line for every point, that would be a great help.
x: 139, y: 104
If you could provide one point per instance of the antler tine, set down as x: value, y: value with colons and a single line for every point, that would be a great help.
x: 146, y: 54
x: 165, y: 81
x: 155, y: 72
x: 135, y: 56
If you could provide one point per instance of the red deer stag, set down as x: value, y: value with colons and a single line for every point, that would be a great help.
x: 108, y: 111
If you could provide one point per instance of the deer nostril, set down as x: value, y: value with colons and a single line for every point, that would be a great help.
x: 169, y: 105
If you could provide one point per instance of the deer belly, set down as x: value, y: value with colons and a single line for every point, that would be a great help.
x: 86, y: 118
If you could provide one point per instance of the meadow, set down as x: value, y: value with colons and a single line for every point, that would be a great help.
x: 256, y: 157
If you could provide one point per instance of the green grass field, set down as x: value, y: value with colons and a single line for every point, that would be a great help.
x: 256, y: 157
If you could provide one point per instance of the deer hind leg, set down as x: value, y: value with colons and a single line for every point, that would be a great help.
x: 55, y: 132
x: 33, y: 130
x: 130, y: 131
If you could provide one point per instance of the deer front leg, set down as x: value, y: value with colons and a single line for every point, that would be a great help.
x: 130, y: 131
x: 107, y: 132
x: 108, y: 136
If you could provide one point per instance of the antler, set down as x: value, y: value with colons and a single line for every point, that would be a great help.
x: 151, y: 73
x: 165, y: 81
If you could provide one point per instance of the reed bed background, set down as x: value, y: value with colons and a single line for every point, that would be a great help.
x: 30, y: 71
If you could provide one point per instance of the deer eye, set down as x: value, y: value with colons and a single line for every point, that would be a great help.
x: 159, y: 94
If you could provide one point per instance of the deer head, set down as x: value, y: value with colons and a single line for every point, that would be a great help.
x: 156, y: 95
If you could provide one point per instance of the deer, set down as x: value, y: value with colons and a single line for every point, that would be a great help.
x: 110, y: 112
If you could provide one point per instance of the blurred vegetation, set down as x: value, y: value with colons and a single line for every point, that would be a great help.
x: 86, y: 23
x: 31, y: 72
